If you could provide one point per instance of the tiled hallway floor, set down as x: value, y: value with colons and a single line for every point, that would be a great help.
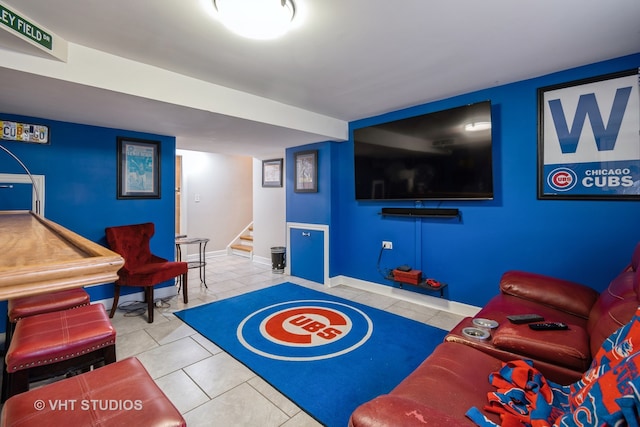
x: 209, y: 387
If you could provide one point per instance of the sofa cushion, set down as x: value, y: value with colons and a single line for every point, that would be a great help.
x: 616, y: 316
x: 392, y: 411
x: 622, y: 286
x: 559, y: 294
x: 568, y: 348
x: 615, y: 307
x: 48, y: 338
x: 622, y: 343
x: 503, y: 305
x: 451, y: 380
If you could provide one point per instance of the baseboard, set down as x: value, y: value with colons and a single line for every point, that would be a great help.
x: 171, y: 291
x: 158, y: 293
x: 404, y: 295
x: 208, y: 255
x: 400, y: 294
x: 261, y: 260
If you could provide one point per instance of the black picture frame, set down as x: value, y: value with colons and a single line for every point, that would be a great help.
x: 306, y: 171
x: 138, y: 164
x: 272, y: 173
x: 589, y: 138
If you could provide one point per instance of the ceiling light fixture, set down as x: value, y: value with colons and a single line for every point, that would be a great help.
x: 256, y: 19
x: 477, y: 126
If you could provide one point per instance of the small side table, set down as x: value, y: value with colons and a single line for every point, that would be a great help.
x: 201, y: 263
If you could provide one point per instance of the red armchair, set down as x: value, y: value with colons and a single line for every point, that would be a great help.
x: 142, y: 268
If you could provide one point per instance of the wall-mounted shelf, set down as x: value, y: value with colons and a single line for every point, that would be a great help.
x: 422, y: 284
x: 422, y: 212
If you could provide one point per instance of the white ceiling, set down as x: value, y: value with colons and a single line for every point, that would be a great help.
x: 346, y: 60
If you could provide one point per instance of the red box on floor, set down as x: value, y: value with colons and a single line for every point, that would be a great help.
x: 411, y: 277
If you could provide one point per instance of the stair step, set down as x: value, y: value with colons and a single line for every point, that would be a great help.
x: 244, y: 248
x: 247, y: 237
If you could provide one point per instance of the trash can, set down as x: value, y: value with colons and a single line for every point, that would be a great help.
x: 278, y: 259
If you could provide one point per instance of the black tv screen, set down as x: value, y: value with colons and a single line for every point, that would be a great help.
x: 445, y: 155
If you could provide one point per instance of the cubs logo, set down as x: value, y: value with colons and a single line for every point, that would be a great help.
x: 305, y: 330
x: 562, y: 179
x: 308, y: 326
x: 624, y: 349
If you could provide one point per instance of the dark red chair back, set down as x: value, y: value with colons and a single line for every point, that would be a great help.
x: 141, y: 267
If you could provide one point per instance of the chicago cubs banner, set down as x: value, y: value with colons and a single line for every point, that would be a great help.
x: 589, y: 138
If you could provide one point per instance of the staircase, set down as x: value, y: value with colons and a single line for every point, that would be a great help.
x: 243, y: 243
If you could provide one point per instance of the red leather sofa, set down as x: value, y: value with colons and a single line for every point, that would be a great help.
x: 454, y: 377
x: 562, y: 356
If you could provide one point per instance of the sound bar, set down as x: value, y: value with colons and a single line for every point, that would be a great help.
x: 421, y: 212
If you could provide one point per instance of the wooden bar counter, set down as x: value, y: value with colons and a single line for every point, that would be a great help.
x: 39, y: 256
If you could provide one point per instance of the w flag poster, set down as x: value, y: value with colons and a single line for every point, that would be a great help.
x: 589, y: 138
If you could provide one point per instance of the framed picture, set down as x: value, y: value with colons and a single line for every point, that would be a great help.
x: 138, y: 169
x: 589, y: 139
x: 272, y: 173
x: 306, y: 171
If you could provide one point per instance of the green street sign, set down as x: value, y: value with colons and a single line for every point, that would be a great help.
x: 25, y: 28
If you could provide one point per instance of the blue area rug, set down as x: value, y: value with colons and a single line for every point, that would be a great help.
x: 326, y: 354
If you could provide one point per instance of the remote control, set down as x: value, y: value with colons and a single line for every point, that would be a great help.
x: 524, y: 318
x: 548, y: 326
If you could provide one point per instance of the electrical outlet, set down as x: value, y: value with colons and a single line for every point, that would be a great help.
x: 387, y: 245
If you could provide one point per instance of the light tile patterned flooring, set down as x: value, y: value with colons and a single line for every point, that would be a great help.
x: 209, y: 387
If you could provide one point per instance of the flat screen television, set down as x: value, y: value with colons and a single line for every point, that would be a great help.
x: 445, y: 155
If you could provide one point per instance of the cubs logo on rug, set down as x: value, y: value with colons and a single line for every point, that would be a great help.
x: 305, y: 330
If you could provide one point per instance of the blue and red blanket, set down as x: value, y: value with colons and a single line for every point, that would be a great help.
x: 608, y: 394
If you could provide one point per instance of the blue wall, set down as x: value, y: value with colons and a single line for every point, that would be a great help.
x: 585, y: 241
x: 320, y: 207
x: 80, y: 179
x: 313, y: 208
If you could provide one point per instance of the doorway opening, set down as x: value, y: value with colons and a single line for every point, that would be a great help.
x: 178, y: 225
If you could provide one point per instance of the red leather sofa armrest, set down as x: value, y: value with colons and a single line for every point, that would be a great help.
x: 568, y: 348
x: 564, y: 295
x: 393, y: 411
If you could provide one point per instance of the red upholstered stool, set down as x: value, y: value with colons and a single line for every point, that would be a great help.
x: 20, y: 308
x: 51, y: 344
x: 120, y: 394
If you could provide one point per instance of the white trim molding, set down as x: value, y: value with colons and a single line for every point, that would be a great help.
x: 405, y: 295
x: 317, y: 227
x: 16, y: 178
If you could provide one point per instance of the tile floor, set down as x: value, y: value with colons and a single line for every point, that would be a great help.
x: 208, y: 386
